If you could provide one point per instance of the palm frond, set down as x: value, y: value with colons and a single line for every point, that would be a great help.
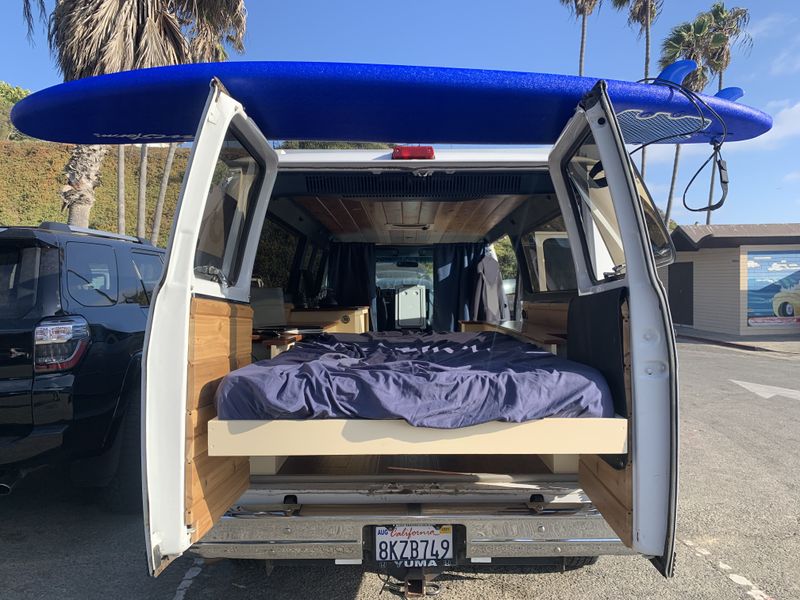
x: 28, y: 8
x: 90, y: 37
x: 689, y: 40
x: 581, y: 8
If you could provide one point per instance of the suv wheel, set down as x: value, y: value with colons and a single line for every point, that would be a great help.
x: 576, y: 562
x: 123, y: 494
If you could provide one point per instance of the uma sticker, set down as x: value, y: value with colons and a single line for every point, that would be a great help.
x: 416, y: 563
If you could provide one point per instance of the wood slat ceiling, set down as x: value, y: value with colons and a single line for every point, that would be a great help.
x: 400, y: 222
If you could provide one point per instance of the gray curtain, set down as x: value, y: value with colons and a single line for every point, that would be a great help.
x: 454, y: 281
x: 351, y: 276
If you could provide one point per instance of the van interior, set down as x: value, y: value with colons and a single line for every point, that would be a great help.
x: 358, y: 251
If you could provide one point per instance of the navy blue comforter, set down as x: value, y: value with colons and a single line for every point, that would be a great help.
x: 437, y: 380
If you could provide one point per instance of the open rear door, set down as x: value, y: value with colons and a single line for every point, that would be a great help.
x: 200, y: 327
x: 602, y: 200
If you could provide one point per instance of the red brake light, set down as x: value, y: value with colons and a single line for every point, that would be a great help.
x: 413, y: 152
x: 60, y: 343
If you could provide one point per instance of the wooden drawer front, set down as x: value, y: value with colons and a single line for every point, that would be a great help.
x: 336, y: 321
x: 220, y: 335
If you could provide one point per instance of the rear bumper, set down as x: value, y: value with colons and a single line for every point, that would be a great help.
x: 344, y: 532
x: 41, y: 440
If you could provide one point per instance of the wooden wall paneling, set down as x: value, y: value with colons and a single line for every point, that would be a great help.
x: 598, y: 485
x: 410, y: 212
x: 220, y: 341
x: 344, y: 208
x: 552, y: 315
x: 428, y: 211
x: 393, y: 212
x: 610, y: 489
x: 378, y: 218
x: 362, y: 215
x: 365, y: 219
x: 444, y: 214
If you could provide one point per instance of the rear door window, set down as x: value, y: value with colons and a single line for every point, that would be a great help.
x: 91, y: 273
x: 594, y: 211
x: 549, y: 258
x: 19, y: 272
x: 275, y: 255
x: 148, y: 269
x: 228, y: 212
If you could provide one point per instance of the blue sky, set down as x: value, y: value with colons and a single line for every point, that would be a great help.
x: 527, y: 35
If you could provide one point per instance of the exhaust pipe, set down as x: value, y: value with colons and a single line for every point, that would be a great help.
x: 9, y: 479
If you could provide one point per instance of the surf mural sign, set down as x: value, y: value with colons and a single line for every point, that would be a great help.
x: 773, y: 288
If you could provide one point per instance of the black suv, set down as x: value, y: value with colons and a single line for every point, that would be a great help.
x: 73, y: 311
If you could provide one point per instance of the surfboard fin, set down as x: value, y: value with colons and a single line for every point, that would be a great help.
x: 730, y: 93
x: 677, y: 71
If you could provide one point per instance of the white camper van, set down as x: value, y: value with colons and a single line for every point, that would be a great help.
x: 333, y: 370
x: 340, y: 489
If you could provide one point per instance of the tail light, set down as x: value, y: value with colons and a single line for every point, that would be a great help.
x: 413, y: 152
x: 59, y: 343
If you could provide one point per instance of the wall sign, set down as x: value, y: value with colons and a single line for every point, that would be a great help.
x: 773, y: 288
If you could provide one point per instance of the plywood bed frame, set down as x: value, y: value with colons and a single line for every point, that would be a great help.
x: 343, y: 437
x: 221, y: 455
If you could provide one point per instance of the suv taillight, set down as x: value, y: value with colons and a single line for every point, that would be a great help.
x: 59, y: 343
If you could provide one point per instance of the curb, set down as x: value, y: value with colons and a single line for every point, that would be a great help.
x: 737, y: 345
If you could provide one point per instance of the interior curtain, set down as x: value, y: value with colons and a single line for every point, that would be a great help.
x: 351, y: 276
x: 454, y: 280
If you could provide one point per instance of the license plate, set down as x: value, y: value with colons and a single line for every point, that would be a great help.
x: 415, y: 544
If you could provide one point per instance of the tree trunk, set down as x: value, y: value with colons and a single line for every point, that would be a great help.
x: 141, y: 201
x: 78, y: 215
x: 583, y: 45
x: 162, y: 194
x: 647, y: 45
x: 83, y: 176
x: 121, y: 189
x: 672, y: 184
x: 646, y: 75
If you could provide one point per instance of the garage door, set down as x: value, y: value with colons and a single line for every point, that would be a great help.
x: 681, y: 293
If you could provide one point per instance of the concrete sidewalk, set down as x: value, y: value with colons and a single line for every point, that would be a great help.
x: 787, y: 344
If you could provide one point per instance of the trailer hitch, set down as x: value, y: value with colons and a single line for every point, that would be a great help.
x: 415, y: 585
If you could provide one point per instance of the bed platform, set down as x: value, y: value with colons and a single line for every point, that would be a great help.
x: 342, y: 437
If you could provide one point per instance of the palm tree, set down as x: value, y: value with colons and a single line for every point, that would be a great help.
x: 642, y: 14
x: 155, y: 230
x: 581, y: 9
x: 120, y: 189
x: 207, y: 44
x: 92, y: 37
x: 731, y: 25
x: 728, y: 28
x: 141, y: 199
x: 689, y: 40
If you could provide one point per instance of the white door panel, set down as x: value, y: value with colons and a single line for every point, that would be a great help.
x: 164, y: 385
x: 653, y: 359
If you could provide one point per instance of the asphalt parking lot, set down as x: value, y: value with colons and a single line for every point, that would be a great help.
x: 738, y: 531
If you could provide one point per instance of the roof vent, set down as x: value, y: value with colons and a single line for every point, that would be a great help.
x: 409, y: 185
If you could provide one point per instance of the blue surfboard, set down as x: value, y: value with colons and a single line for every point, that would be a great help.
x: 361, y: 102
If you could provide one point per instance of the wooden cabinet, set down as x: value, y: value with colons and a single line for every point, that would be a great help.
x: 338, y: 319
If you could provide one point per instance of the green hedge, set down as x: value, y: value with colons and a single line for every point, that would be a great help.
x: 31, y: 177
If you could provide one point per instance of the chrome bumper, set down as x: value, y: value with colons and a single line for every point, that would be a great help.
x: 343, y: 532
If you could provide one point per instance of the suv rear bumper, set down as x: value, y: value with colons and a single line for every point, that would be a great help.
x: 40, y: 440
x: 344, y: 532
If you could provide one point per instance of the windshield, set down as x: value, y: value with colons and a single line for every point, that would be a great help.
x: 397, y: 274
x: 19, y: 273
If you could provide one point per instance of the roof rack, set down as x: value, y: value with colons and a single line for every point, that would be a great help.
x: 53, y: 226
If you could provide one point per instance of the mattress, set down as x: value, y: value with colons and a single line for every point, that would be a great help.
x: 442, y: 381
